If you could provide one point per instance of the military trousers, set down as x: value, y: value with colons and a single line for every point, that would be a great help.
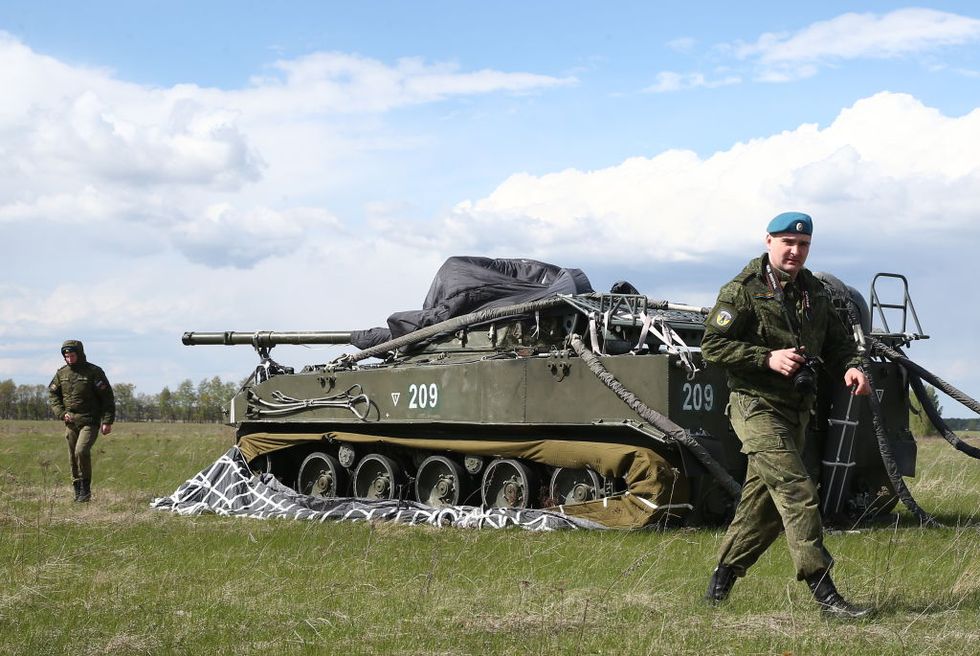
x: 778, y: 493
x: 80, y: 442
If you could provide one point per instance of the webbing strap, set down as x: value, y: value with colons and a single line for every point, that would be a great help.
x: 605, y: 328
x: 674, y: 344
x: 593, y: 337
x: 647, y: 320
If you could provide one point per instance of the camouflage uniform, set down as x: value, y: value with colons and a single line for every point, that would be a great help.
x: 83, y: 392
x: 769, y: 415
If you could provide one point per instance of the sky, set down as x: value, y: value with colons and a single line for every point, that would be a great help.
x: 177, y: 166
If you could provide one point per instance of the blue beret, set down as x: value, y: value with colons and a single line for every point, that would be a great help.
x: 797, y: 222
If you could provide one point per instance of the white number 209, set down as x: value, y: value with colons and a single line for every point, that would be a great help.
x: 423, y: 396
x: 698, y: 397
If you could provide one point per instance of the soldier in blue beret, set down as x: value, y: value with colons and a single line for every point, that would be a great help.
x: 766, y: 322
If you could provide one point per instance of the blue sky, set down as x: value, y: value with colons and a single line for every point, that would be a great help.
x: 210, y: 166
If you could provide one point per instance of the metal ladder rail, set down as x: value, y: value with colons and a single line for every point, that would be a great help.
x: 906, y: 306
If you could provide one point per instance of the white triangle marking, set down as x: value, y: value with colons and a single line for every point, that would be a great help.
x: 880, y: 393
x: 397, y: 395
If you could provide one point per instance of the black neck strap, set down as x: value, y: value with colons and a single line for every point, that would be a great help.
x: 777, y: 291
x: 775, y: 288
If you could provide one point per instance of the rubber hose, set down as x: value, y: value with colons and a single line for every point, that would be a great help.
x: 450, y: 325
x: 930, y: 409
x: 888, y: 458
x: 915, y: 382
x: 655, y: 419
x: 928, y: 376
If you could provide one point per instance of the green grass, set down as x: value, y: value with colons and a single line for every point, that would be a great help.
x: 115, y: 577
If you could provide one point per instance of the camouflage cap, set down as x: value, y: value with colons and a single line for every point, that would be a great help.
x: 796, y: 222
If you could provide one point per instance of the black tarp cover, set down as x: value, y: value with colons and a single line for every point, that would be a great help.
x: 469, y: 284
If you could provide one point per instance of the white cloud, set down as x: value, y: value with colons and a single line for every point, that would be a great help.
x: 851, y: 35
x: 328, y: 279
x: 87, y: 205
x: 79, y: 146
x: 61, y: 125
x: 668, y: 81
x: 225, y: 236
x: 330, y: 82
x: 903, y: 32
x: 134, y: 301
x: 887, y: 159
x: 787, y: 56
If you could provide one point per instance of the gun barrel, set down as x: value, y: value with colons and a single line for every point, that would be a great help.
x: 680, y: 307
x: 265, y: 338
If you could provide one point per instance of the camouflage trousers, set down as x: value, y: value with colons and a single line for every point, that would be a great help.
x: 778, y: 493
x: 80, y: 442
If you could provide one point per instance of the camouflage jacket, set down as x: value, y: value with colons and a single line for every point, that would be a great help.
x: 748, y: 322
x: 84, y: 391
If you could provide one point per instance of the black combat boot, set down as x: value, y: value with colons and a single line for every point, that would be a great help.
x: 85, y: 493
x: 77, y: 484
x: 722, y: 580
x: 830, y: 601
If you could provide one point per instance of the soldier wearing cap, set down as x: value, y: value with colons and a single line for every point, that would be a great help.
x: 81, y: 396
x: 771, y: 321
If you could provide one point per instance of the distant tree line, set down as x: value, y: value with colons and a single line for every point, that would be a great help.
x: 972, y: 424
x: 204, y: 402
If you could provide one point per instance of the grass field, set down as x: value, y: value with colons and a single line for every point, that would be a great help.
x: 115, y: 577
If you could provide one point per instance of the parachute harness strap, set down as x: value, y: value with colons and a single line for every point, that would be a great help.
x: 644, y: 331
x: 593, y: 331
x: 674, y: 343
x: 605, y: 328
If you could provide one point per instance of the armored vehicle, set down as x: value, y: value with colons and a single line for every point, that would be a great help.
x: 519, y: 386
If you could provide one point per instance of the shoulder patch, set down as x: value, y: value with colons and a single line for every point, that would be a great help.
x: 722, y: 317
